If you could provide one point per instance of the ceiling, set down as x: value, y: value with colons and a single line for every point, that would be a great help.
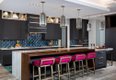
x: 53, y: 7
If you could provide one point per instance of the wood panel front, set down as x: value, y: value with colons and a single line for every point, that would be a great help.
x: 26, y: 57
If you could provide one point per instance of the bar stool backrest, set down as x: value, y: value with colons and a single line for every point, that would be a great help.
x: 91, y: 55
x: 47, y: 61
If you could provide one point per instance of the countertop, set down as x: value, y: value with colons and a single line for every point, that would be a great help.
x: 28, y: 48
x: 44, y: 48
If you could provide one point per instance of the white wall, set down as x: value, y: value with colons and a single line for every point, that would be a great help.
x: 96, y: 36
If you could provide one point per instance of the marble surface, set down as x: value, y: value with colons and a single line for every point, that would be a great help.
x: 5, y: 75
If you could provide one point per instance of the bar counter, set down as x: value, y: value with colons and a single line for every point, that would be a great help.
x: 21, y: 59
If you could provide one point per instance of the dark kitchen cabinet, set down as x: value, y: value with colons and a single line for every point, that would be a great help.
x: 101, y: 61
x: 79, y: 34
x: 13, y: 29
x: 53, y: 31
x: 6, y: 57
x: 110, y: 21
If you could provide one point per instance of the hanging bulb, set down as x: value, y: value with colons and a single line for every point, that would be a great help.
x: 63, y: 18
x: 42, y: 19
x: 78, y: 21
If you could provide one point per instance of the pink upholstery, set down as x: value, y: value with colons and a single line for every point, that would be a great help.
x: 63, y: 59
x: 44, y: 61
x: 91, y: 55
x: 79, y: 57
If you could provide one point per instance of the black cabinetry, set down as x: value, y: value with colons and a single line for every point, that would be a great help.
x: 53, y: 31
x: 79, y: 34
x: 101, y: 61
x: 110, y: 21
x: 6, y: 57
x: 13, y: 29
x: 33, y: 24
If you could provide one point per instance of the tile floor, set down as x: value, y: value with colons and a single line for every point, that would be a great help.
x: 108, y: 73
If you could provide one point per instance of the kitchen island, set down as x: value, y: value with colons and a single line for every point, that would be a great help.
x: 21, y: 60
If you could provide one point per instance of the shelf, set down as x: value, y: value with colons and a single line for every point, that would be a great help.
x: 31, y: 27
x: 32, y: 17
x: 14, y: 16
x: 34, y: 22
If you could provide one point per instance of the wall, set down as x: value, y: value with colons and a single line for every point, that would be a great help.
x: 96, y: 35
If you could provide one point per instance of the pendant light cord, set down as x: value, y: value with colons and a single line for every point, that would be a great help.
x: 63, y: 9
x: 78, y: 13
x: 42, y: 2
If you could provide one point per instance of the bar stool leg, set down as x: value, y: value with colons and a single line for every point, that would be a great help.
x: 87, y: 67
x: 45, y: 72
x: 74, y: 64
x: 93, y: 65
x: 82, y: 68
x: 61, y: 69
x: 79, y: 65
x: 33, y: 72
x: 68, y: 70
x: 59, y: 72
x: 39, y: 71
x: 52, y: 73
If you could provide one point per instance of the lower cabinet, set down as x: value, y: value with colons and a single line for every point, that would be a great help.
x: 101, y: 61
x: 6, y: 57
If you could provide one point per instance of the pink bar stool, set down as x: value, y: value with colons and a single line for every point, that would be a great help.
x: 80, y: 59
x: 43, y: 62
x: 91, y: 56
x: 66, y: 59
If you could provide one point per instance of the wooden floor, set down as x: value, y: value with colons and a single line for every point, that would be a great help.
x: 108, y: 73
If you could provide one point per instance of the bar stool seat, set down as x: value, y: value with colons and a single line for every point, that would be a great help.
x: 91, y: 56
x: 66, y: 59
x: 80, y: 59
x: 43, y: 62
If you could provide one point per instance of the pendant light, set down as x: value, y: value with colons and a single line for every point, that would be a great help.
x: 78, y: 21
x: 42, y: 19
x: 63, y: 18
x: 88, y: 25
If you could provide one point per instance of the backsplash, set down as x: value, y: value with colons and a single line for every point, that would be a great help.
x: 33, y: 40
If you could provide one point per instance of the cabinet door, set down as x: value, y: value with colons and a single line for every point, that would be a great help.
x: 101, y: 61
x: 84, y: 32
x: 6, y: 58
x: 53, y: 31
x: 12, y: 29
x: 75, y: 34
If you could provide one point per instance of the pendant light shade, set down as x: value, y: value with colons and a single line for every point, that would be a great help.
x: 89, y: 27
x: 78, y: 21
x: 63, y: 18
x: 42, y: 19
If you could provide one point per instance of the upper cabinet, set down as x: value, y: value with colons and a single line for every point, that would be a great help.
x: 13, y: 25
x: 33, y: 23
x: 79, y: 34
x: 13, y: 29
x: 110, y: 21
x: 53, y: 31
